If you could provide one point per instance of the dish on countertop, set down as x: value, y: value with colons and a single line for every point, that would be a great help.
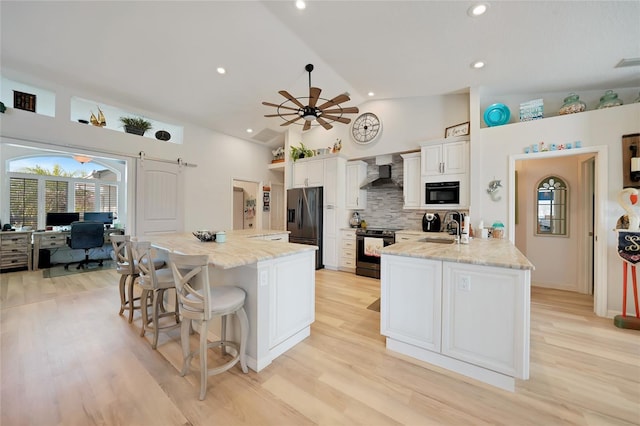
x: 205, y: 236
x: 497, y: 115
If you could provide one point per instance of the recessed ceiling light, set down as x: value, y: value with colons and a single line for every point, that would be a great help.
x: 477, y: 9
x: 477, y: 64
x: 249, y: 130
x: 300, y: 4
x: 371, y: 94
x: 221, y: 70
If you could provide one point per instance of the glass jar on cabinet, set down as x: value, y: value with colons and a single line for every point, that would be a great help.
x: 609, y: 99
x: 572, y: 104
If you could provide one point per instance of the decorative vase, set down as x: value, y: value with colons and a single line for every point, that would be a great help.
x: 609, y: 99
x: 572, y: 104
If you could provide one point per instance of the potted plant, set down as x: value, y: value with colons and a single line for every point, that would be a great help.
x: 300, y: 152
x: 135, y: 125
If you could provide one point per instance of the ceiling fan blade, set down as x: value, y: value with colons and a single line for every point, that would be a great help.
x: 348, y: 110
x: 324, y: 123
x: 286, y: 123
x: 335, y: 118
x: 307, y: 126
x: 335, y: 101
x: 291, y: 98
x: 279, y: 106
x: 281, y: 115
x: 314, y: 94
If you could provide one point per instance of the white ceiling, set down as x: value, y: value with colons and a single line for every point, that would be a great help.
x: 161, y: 57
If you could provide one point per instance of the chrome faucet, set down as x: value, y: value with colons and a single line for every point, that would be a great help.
x: 458, y: 223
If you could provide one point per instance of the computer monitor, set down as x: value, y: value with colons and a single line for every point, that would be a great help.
x: 104, y: 217
x: 61, y: 219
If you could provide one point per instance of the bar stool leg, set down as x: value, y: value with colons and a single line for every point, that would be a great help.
x: 635, y: 290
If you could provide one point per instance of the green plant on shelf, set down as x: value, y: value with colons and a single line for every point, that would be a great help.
x: 300, y: 152
x: 135, y: 125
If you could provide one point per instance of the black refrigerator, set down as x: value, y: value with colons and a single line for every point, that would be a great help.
x: 304, y: 218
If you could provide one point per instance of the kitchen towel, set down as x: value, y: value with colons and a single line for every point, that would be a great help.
x: 372, y: 246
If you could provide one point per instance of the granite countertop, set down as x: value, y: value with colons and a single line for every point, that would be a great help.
x: 239, y: 249
x: 252, y: 233
x: 438, y: 235
x: 487, y: 252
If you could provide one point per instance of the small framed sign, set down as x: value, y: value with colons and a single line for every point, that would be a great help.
x: 461, y: 129
x: 25, y: 101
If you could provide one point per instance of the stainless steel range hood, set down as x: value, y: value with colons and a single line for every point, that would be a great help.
x: 383, y: 180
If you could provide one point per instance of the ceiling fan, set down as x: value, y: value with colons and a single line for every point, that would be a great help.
x: 325, y: 113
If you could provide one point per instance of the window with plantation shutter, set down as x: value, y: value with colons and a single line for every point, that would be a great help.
x: 85, y: 194
x: 23, y: 201
x: 109, y: 199
x: 56, y: 196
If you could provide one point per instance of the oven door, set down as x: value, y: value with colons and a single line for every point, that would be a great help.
x: 368, y: 264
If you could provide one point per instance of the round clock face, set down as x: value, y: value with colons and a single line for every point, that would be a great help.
x: 365, y: 128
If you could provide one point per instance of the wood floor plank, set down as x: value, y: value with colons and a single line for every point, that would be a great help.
x: 67, y: 357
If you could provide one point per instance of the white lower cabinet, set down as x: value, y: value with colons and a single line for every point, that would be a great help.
x: 348, y: 250
x: 472, y: 319
x: 411, y: 301
x: 292, y: 306
x: 484, y: 317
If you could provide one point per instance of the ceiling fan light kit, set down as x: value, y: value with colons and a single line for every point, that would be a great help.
x: 328, y: 112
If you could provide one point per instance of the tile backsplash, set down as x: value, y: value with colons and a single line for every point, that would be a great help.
x: 384, y: 205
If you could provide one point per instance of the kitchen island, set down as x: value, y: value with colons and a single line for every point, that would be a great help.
x: 463, y: 307
x: 278, y: 278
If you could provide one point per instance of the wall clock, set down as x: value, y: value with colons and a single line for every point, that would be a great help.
x: 366, y: 128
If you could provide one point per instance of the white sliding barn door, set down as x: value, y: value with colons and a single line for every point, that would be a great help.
x: 159, y: 206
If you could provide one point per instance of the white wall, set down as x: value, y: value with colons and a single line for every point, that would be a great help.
x: 491, y: 148
x: 405, y: 123
x: 555, y: 257
x: 208, y: 190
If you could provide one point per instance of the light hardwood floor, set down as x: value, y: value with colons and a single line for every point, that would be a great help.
x: 68, y: 359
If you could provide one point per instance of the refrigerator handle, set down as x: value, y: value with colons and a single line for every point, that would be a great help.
x: 299, y: 213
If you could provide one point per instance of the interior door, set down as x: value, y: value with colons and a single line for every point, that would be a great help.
x: 159, y: 204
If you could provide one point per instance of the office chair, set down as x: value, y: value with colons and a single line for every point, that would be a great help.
x: 85, y: 235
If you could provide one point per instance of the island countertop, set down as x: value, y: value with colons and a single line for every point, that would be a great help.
x: 488, y: 252
x: 239, y: 249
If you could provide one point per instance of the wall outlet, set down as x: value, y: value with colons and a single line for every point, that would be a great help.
x: 465, y: 283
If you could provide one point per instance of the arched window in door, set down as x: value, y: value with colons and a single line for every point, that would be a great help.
x: 551, y: 207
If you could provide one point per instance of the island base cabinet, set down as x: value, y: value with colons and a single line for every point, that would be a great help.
x: 471, y: 319
x: 410, y: 311
x: 280, y: 303
x: 292, y: 306
x: 485, y: 317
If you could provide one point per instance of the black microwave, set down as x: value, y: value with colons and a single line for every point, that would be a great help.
x: 442, y: 192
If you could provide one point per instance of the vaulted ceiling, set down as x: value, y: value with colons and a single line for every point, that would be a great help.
x: 162, y: 56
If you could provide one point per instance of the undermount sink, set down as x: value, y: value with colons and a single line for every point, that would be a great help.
x: 436, y: 240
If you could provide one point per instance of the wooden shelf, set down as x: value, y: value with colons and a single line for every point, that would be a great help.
x: 277, y: 166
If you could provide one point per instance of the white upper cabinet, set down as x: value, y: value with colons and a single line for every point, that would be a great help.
x: 308, y: 173
x: 356, y: 198
x: 442, y: 158
x: 411, y: 181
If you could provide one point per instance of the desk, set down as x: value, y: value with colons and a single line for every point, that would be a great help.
x: 58, y: 239
x: 278, y: 278
x: 15, y: 249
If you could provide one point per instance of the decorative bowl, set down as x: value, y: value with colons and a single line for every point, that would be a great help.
x: 497, y: 115
x: 205, y: 236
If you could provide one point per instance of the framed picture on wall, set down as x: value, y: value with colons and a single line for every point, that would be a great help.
x: 461, y: 129
x: 25, y: 101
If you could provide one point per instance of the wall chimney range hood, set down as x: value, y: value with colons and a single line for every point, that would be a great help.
x: 383, y: 180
